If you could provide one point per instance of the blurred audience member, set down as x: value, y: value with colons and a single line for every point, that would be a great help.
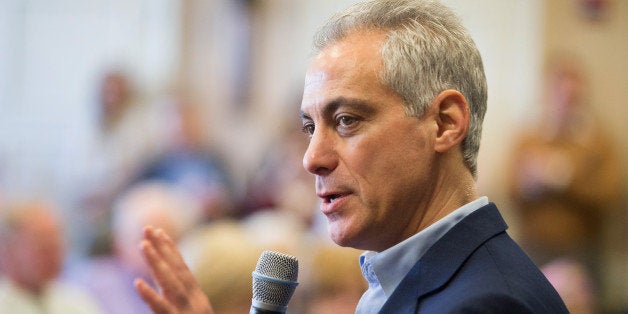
x: 282, y: 203
x: 332, y: 280
x: 565, y: 175
x: 110, y: 278
x: 32, y: 253
x: 277, y: 230
x: 126, y: 135
x: 116, y: 97
x: 280, y: 181
x: 187, y: 160
x: 222, y: 255
x: 573, y: 284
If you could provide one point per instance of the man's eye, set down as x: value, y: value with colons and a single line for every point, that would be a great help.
x: 346, y: 120
x: 308, y: 128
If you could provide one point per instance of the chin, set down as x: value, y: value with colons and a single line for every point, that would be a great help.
x: 338, y: 236
x: 343, y: 233
x: 344, y: 239
x: 341, y: 242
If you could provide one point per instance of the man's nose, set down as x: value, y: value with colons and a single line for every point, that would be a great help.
x: 320, y: 157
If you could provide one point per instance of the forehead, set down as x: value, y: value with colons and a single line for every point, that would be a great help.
x: 348, y: 68
x: 359, y: 48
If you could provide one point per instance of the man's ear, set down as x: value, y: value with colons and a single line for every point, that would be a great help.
x: 453, y: 119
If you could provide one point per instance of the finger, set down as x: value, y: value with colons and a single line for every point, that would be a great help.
x: 176, y: 286
x: 161, y: 272
x: 152, y: 298
x: 166, y: 247
x: 168, y: 251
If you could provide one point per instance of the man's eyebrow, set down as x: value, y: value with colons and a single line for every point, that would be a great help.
x: 360, y: 105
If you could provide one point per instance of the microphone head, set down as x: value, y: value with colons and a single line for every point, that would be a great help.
x: 274, y: 281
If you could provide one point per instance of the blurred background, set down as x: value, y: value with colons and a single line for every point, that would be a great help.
x: 191, y: 106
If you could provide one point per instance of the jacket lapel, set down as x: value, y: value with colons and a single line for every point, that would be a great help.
x: 445, y: 257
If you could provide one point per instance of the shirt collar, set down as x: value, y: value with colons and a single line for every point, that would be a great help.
x: 389, y: 267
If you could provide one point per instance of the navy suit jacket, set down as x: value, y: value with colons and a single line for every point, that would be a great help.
x: 475, y: 268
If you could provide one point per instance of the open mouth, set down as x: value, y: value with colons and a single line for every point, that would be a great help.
x: 332, y: 198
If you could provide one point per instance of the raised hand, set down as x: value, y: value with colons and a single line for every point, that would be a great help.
x: 178, y: 290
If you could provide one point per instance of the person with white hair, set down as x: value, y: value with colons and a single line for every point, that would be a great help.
x: 110, y: 277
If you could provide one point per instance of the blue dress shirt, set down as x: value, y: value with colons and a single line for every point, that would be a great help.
x: 384, y: 270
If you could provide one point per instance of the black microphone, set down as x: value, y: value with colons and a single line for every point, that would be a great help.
x: 274, y: 281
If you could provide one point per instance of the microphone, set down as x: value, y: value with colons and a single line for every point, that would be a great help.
x: 274, y: 281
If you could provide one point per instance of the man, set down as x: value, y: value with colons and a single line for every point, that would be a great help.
x: 32, y: 255
x: 393, y: 104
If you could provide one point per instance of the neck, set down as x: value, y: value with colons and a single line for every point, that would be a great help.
x: 452, y: 190
x: 453, y: 186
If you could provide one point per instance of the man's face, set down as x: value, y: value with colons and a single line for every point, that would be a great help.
x: 37, y: 252
x: 373, y: 163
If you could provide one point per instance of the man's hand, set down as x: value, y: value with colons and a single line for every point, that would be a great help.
x: 178, y: 290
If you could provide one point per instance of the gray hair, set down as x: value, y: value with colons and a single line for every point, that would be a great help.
x: 427, y: 51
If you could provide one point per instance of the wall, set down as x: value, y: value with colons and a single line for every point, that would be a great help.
x: 52, y: 54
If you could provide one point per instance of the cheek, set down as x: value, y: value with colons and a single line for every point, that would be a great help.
x: 394, y: 170
x: 397, y: 156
